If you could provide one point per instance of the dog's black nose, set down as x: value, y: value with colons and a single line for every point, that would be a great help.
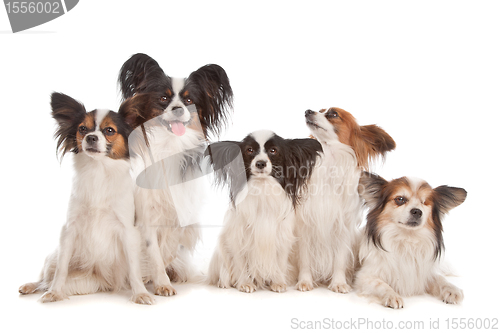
x: 309, y: 112
x: 178, y: 112
x: 91, y: 139
x: 260, y: 164
x: 416, y: 213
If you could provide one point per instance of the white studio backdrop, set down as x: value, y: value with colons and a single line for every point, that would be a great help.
x: 427, y: 72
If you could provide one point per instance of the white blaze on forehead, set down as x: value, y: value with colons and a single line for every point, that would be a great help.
x: 99, y: 116
x: 415, y: 183
x: 177, y: 85
x: 262, y: 136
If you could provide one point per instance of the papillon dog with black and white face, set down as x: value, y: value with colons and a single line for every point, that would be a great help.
x: 402, y: 241
x: 172, y: 118
x: 329, y: 216
x: 99, y: 247
x: 267, y: 176
x: 205, y: 96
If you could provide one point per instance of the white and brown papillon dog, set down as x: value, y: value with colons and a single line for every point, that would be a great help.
x: 402, y: 240
x: 172, y: 118
x: 267, y: 175
x: 99, y: 247
x: 329, y: 216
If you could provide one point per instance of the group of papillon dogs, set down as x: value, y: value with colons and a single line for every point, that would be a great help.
x: 296, y: 205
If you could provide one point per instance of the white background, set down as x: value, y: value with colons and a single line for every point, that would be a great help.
x: 427, y: 72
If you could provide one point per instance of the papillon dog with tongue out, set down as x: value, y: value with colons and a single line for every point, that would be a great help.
x: 99, y: 247
x: 266, y: 175
x: 328, y: 217
x: 172, y: 118
x: 402, y: 241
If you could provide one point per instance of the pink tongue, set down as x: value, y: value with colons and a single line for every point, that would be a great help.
x: 178, y: 128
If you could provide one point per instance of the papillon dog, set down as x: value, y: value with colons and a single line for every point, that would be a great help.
x: 402, y: 240
x: 267, y: 176
x: 171, y: 118
x: 329, y: 216
x: 99, y: 247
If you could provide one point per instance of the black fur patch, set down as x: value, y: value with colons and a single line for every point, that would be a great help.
x: 212, y: 94
x: 68, y: 113
x: 142, y: 74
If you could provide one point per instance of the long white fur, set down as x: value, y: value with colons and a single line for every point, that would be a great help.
x: 329, y: 215
x: 99, y: 247
x: 157, y: 209
x: 257, y: 238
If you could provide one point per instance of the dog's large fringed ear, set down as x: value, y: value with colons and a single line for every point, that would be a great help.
x: 446, y: 198
x: 370, y: 188
x: 214, y: 96
x: 379, y: 139
x: 227, y: 163
x: 375, y: 142
x: 68, y: 113
x: 137, y: 109
x: 136, y: 73
x: 300, y: 159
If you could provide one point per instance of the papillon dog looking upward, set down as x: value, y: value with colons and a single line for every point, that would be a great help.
x: 171, y: 118
x: 99, y: 247
x: 328, y: 218
x: 267, y: 175
x: 402, y: 241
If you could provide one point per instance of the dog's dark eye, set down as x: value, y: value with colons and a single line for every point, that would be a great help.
x: 249, y: 150
x: 109, y: 131
x: 332, y: 114
x: 82, y: 129
x: 400, y: 201
x: 163, y: 99
x: 273, y: 151
x: 188, y: 101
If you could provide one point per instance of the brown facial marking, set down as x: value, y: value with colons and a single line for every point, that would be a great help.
x: 169, y: 93
x: 344, y: 125
x: 118, y: 144
x: 396, y: 188
x: 424, y: 193
x: 89, y: 123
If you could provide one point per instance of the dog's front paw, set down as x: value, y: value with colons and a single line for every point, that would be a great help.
x: 247, y: 287
x: 143, y: 298
x: 452, y: 295
x: 305, y: 286
x: 52, y: 296
x: 278, y: 287
x: 166, y: 290
x: 222, y: 285
x: 393, y: 301
x: 28, y: 288
x: 342, y: 288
